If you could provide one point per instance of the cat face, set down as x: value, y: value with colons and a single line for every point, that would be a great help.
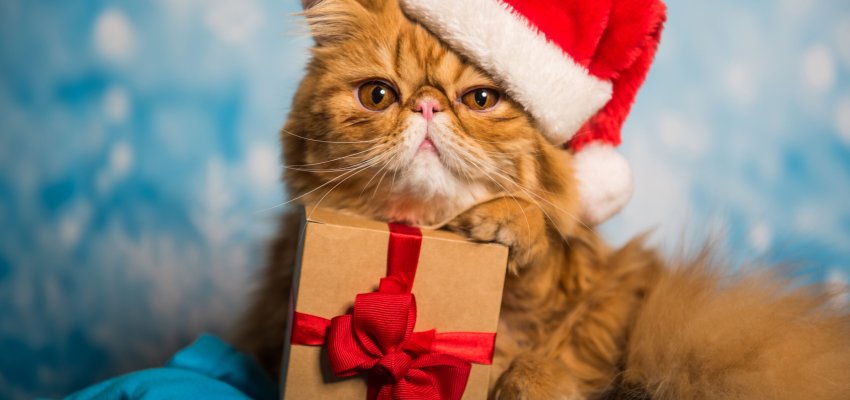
x: 391, y: 124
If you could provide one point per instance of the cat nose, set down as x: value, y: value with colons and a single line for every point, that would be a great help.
x: 428, y: 107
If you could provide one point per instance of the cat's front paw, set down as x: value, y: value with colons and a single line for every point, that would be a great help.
x: 531, y: 378
x: 516, y: 223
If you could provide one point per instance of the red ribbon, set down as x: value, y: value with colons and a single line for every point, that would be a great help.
x: 377, y: 336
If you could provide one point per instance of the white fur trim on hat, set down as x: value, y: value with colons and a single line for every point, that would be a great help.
x: 605, y: 182
x: 559, y: 93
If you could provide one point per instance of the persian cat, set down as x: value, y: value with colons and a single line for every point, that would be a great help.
x: 390, y: 124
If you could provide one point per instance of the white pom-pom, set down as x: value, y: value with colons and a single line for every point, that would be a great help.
x: 605, y: 182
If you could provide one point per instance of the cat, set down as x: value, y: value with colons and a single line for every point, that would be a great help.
x: 390, y: 124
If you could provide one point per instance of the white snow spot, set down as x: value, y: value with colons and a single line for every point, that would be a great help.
x: 218, y: 197
x: 121, y: 159
x: 819, y: 70
x: 760, y: 237
x: 214, y: 217
x: 681, y: 135
x: 234, y: 21
x: 741, y: 84
x: 837, y: 283
x: 120, y: 162
x: 113, y: 36
x: 72, y: 222
x: 842, y: 120
x: 116, y: 104
x: 263, y: 166
x: 69, y: 231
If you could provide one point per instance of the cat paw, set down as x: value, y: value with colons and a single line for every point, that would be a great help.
x: 515, y: 223
x: 530, y: 378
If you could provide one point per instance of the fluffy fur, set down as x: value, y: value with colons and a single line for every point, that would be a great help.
x: 579, y: 320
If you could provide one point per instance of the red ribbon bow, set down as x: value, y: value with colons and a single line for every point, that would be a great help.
x: 377, y: 336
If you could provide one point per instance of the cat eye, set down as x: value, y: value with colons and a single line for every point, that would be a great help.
x: 481, y: 99
x: 376, y: 95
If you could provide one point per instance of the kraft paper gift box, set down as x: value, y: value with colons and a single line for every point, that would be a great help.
x: 390, y: 344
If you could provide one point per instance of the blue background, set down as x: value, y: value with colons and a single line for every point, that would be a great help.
x: 139, y: 162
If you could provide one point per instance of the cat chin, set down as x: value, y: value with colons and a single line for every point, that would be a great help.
x: 428, y: 177
x: 428, y: 193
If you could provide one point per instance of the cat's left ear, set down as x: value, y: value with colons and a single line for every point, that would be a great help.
x: 309, y: 3
x: 369, y: 4
x: 332, y: 21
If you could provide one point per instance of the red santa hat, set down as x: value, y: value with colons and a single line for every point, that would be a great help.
x: 575, y: 65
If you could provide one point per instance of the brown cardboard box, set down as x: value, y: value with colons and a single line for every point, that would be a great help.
x: 458, y: 288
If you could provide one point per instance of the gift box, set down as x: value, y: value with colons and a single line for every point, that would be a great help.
x: 386, y: 311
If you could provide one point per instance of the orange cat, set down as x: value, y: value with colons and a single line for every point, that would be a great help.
x: 390, y: 124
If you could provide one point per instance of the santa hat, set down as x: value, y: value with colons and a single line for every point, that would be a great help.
x: 575, y: 65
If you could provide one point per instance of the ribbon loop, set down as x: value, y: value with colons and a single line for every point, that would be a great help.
x: 383, y: 322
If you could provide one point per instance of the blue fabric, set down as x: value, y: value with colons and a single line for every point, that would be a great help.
x: 208, y: 369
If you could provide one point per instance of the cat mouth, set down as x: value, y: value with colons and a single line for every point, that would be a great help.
x: 427, y: 146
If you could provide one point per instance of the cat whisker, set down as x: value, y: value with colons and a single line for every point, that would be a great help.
x: 375, y: 149
x: 332, y: 160
x: 508, y: 193
x: 380, y: 158
x: 350, y: 172
x: 532, y: 196
x: 327, y: 170
x: 304, y: 194
x: 346, y: 176
x: 482, y: 140
x: 378, y: 185
x: 392, y: 185
x: 472, y: 160
x: 535, y: 195
x: 501, y: 153
x: 372, y: 178
x: 331, y: 141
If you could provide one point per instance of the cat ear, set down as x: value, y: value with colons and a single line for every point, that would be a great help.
x: 309, y: 3
x: 373, y: 4
x: 334, y: 20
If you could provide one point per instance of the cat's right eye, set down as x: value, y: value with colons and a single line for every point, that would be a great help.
x: 376, y: 95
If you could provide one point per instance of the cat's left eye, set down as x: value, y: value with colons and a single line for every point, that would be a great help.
x: 481, y: 99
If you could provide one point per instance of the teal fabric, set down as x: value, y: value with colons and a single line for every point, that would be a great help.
x: 209, y: 369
